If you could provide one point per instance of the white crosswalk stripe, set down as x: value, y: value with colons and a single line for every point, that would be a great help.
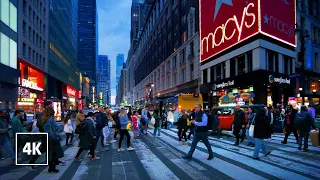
x: 161, y: 158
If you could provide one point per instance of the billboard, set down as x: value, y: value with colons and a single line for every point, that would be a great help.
x: 31, y: 78
x: 225, y: 23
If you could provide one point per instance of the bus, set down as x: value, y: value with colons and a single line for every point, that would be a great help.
x: 183, y: 101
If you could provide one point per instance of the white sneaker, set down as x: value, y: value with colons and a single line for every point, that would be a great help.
x: 120, y: 149
x: 113, y: 141
x: 130, y: 148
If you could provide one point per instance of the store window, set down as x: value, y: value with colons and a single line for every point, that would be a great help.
x: 241, y: 64
x: 205, y: 76
x: 287, y: 64
x: 232, y: 67
x: 250, y: 62
x: 212, y: 77
x: 218, y: 70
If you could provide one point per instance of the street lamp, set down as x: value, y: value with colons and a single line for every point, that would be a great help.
x: 303, y: 36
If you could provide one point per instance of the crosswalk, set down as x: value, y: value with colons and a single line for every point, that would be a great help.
x: 160, y: 158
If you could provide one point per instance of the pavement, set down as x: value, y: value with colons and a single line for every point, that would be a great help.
x: 160, y: 159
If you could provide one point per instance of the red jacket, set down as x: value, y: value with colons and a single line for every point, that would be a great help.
x: 134, y: 122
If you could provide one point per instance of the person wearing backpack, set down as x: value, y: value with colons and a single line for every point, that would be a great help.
x: 87, y: 136
x: 303, y: 124
x: 101, y: 123
x: 201, y: 132
x: 289, y: 124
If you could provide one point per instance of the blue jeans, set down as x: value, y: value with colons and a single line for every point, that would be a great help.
x: 259, y: 145
x: 7, y: 145
x: 250, y: 139
x: 305, y: 139
x: 155, y: 131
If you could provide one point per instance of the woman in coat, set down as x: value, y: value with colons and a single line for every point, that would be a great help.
x: 87, y: 139
x: 289, y: 124
x: 49, y: 125
x: 261, y: 131
x: 182, y: 126
x: 69, y: 128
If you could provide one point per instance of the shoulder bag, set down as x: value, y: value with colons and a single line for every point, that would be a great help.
x: 251, y: 128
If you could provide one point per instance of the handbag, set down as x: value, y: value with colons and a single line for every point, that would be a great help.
x: 55, y: 138
x: 251, y: 128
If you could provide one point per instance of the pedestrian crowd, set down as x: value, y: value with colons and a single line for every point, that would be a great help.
x: 255, y: 125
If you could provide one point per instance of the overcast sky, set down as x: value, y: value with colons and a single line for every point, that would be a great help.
x: 114, y: 31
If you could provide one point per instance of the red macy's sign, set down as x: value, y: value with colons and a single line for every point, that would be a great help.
x: 225, y: 23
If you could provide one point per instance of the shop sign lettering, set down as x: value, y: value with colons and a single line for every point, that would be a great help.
x: 25, y: 100
x: 29, y: 84
x: 71, y: 91
x: 223, y: 85
x: 279, y: 80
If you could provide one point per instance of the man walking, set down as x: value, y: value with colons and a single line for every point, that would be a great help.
x: 200, y: 121
x: 101, y: 123
x: 145, y: 119
x: 238, y: 124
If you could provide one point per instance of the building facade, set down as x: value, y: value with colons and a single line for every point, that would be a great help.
x: 8, y: 58
x: 121, y: 98
x: 103, y: 78
x: 308, y: 52
x: 167, y: 53
x: 119, y: 66
x: 33, y: 47
x: 87, y: 38
x: 63, y: 80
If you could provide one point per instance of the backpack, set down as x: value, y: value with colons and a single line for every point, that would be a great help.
x: 81, y: 128
x: 299, y: 120
x: 29, y: 126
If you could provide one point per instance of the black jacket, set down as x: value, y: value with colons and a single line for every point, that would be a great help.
x: 291, y: 116
x: 182, y: 122
x: 239, y: 118
x: 262, y: 128
x: 305, y: 127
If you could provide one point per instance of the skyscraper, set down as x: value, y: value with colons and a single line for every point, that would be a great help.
x: 103, y: 78
x: 87, y: 38
x: 63, y: 33
x: 119, y: 65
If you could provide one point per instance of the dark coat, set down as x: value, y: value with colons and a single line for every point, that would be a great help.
x: 116, y: 119
x: 305, y: 127
x: 262, y: 128
x: 86, y: 140
x: 4, y: 127
x: 182, y: 122
x: 239, y: 119
x: 55, y: 150
x: 289, y: 125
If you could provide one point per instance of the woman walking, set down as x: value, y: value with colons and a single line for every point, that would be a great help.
x: 289, y: 124
x: 251, y: 117
x: 262, y: 130
x: 123, y: 130
x: 49, y: 125
x: 87, y: 136
x: 157, y: 124
x: 182, y: 126
x: 69, y: 129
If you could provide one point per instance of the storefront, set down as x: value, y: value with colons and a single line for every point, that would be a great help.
x: 257, y: 87
x: 31, y: 89
x: 70, y: 98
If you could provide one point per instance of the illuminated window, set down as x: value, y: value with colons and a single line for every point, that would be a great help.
x: 13, y: 17
x: 5, y: 11
x: 5, y: 49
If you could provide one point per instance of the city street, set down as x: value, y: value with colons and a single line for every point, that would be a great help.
x: 160, y: 158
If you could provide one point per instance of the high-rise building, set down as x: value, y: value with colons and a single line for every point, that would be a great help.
x: 8, y: 57
x: 33, y: 48
x: 87, y: 38
x: 119, y: 66
x: 103, y: 78
x: 62, y: 66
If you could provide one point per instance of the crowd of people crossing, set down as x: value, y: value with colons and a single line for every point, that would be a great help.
x: 89, y: 129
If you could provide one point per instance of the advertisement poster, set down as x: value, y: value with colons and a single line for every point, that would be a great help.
x: 57, y: 110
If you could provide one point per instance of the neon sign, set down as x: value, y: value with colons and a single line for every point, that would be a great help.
x: 220, y: 30
x: 71, y: 91
x: 30, y: 84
